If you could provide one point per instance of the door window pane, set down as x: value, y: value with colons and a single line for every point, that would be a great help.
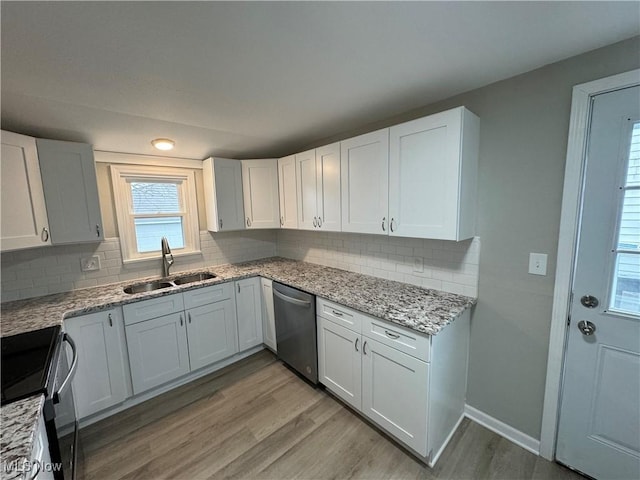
x: 626, y: 284
x: 633, y: 172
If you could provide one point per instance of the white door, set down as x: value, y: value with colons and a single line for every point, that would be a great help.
x: 211, y: 331
x: 328, y: 174
x: 287, y: 192
x: 306, y: 184
x: 364, y: 175
x: 249, y: 311
x: 599, y: 426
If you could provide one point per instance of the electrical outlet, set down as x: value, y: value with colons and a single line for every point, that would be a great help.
x: 418, y: 266
x: 90, y: 264
x: 538, y: 263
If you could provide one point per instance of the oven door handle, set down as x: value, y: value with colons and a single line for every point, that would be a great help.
x: 72, y: 368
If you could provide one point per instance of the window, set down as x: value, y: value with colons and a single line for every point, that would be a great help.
x: 152, y: 203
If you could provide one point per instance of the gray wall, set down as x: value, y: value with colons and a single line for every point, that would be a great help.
x: 524, y: 123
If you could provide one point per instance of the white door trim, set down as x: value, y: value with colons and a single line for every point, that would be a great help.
x: 569, y: 217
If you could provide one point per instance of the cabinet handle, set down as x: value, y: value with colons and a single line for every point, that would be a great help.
x: 97, y: 230
x: 315, y: 222
x: 189, y: 316
x: 238, y: 288
x: 392, y: 335
x: 364, y: 347
x: 44, y: 236
x: 319, y: 222
x: 181, y: 321
x: 384, y: 219
x: 356, y: 344
x: 337, y: 314
x: 110, y: 320
x: 220, y: 223
x: 391, y: 224
x: 282, y: 221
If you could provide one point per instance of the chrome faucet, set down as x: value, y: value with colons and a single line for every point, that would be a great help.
x: 167, y: 257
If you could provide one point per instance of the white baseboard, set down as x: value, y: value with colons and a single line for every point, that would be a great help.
x: 507, y: 431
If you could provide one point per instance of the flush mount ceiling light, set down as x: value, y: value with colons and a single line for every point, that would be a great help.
x: 163, y: 143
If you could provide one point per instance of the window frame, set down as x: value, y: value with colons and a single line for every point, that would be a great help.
x: 121, y: 178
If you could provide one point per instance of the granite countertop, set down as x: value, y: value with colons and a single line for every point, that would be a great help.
x: 19, y: 426
x: 424, y: 310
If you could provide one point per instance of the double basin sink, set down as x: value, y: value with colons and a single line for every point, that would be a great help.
x: 160, y: 284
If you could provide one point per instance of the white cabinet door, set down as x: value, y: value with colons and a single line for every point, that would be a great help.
x: 339, y: 361
x: 158, y: 351
x: 222, y: 180
x: 70, y: 191
x: 212, y: 333
x: 395, y: 393
x: 432, y: 176
x: 102, y: 378
x: 268, y: 315
x: 24, y: 215
x: 249, y: 311
x: 328, y: 187
x: 306, y: 188
x: 287, y: 192
x: 364, y: 162
x: 260, y: 192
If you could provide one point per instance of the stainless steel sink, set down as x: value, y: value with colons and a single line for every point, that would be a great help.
x: 194, y: 277
x: 147, y: 287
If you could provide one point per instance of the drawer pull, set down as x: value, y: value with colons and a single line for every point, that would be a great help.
x: 392, y: 335
x: 337, y: 314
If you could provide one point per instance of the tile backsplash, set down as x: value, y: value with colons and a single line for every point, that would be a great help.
x: 41, y: 271
x: 443, y: 265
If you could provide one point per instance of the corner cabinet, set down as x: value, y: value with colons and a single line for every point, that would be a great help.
x: 24, y: 215
x: 364, y: 176
x: 70, y: 191
x: 249, y: 312
x: 102, y: 379
x: 222, y: 179
x: 260, y: 192
x: 287, y: 192
x: 432, y: 176
x: 411, y: 385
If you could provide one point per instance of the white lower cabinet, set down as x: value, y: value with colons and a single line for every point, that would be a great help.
x: 268, y: 315
x: 411, y: 385
x: 40, y: 465
x: 249, y: 312
x: 211, y: 330
x: 102, y: 378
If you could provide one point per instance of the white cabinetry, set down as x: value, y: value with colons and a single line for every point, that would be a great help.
x: 249, y: 311
x: 318, y: 188
x: 24, y: 215
x: 287, y: 192
x: 222, y: 180
x: 70, y: 191
x: 411, y: 385
x: 260, y: 192
x: 268, y: 315
x: 102, y: 378
x: 364, y: 164
x: 432, y: 176
x: 40, y: 456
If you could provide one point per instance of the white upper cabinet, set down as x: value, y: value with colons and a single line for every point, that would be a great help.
x: 24, y: 215
x: 364, y: 164
x: 222, y: 180
x: 306, y: 187
x: 260, y: 190
x: 287, y: 192
x: 70, y: 191
x: 328, y: 187
x: 432, y: 176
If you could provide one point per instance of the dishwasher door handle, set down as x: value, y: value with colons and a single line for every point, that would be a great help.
x: 295, y: 301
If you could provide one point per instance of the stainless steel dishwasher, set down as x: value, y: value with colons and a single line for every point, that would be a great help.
x: 295, y: 313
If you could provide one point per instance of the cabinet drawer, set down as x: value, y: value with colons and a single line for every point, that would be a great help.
x: 400, y: 338
x: 344, y: 316
x: 156, y: 307
x: 206, y: 295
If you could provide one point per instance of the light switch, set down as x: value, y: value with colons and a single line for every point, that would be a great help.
x: 538, y: 263
x: 418, y: 265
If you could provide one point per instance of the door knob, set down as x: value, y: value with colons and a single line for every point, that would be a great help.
x: 587, y: 328
x: 589, y: 301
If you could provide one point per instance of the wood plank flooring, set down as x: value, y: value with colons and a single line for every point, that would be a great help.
x: 256, y: 419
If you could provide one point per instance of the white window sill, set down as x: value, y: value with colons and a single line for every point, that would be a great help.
x: 156, y: 258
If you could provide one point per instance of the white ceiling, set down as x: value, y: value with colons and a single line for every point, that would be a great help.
x: 246, y: 79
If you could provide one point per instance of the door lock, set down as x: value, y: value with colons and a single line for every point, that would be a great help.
x: 589, y: 301
x: 587, y: 328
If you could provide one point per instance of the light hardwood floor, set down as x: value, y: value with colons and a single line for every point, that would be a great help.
x: 256, y: 419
